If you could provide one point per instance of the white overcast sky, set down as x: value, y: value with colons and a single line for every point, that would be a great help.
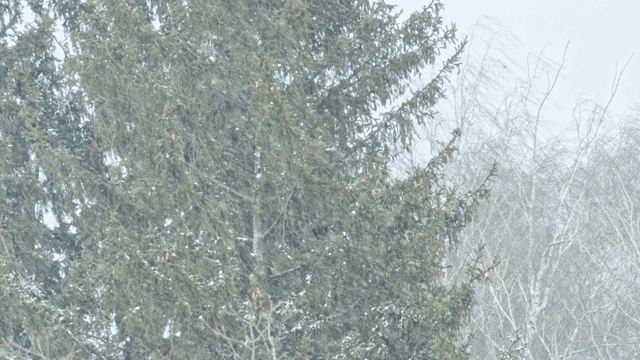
x: 602, y: 36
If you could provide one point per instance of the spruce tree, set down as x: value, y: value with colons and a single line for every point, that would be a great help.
x: 220, y: 176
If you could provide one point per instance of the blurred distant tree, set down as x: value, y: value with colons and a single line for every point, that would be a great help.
x: 562, y: 215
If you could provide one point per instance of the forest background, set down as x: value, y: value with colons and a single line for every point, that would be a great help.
x: 267, y: 179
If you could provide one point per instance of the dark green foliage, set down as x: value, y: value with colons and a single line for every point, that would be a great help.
x: 219, y: 171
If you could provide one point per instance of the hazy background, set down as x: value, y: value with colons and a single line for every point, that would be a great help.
x: 602, y: 36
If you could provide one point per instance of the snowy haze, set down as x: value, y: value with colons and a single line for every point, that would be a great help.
x: 602, y: 37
